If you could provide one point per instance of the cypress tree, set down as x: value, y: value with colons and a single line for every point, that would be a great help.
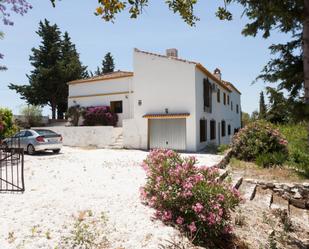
x: 108, y: 64
x: 263, y: 109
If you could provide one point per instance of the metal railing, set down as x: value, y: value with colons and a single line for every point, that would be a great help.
x: 11, y: 166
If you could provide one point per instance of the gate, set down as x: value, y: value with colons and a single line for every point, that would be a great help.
x: 12, y: 166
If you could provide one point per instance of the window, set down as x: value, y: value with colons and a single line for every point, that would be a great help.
x: 232, y: 105
x: 207, y: 95
x: 28, y: 134
x: 218, y: 95
x: 203, y: 130
x: 20, y: 134
x: 224, y: 98
x: 223, y: 128
x: 228, y: 99
x: 212, y: 129
x: 116, y: 106
x: 229, y: 130
x: 237, y: 109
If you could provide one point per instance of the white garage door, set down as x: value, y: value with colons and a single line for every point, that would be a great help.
x: 167, y: 134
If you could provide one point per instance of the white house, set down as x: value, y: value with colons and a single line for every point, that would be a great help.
x: 166, y: 102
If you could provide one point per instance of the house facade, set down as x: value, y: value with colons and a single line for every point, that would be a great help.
x: 166, y: 102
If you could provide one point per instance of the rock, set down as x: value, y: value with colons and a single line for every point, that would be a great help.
x: 298, y: 203
x: 297, y: 195
x: 270, y: 185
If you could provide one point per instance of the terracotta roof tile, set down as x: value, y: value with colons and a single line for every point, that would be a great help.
x: 107, y: 76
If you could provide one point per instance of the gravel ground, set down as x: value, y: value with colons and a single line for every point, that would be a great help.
x: 58, y: 187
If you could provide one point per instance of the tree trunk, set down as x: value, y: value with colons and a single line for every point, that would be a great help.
x: 306, y: 50
x: 53, y: 112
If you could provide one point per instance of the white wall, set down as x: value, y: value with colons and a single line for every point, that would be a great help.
x: 219, y: 111
x: 104, y: 87
x: 162, y: 83
x: 83, y: 136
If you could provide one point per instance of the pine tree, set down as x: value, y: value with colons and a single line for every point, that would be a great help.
x: 55, y: 62
x: 263, y: 109
x: 97, y: 72
x: 45, y: 77
x: 108, y: 64
x: 72, y: 69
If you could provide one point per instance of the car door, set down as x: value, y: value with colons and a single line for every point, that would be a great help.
x: 21, y: 137
x: 26, y: 140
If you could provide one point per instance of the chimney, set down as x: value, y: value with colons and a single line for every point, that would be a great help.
x: 172, y: 52
x: 217, y: 73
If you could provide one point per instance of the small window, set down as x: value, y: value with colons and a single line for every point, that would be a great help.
x: 207, y: 95
x: 237, y: 109
x: 218, y: 95
x: 232, y: 105
x: 116, y: 106
x: 229, y: 129
x: 223, y: 128
x: 224, y: 98
x: 228, y: 99
x: 140, y: 102
x: 203, y: 130
x: 212, y: 129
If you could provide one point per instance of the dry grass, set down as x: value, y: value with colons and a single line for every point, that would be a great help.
x: 251, y: 170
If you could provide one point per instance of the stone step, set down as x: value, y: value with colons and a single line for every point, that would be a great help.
x: 223, y: 174
x: 248, y: 190
x: 263, y: 197
x: 299, y: 215
x: 236, y: 180
x: 279, y: 202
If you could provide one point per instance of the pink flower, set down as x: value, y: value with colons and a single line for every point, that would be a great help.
x: 198, y: 207
x: 167, y: 215
x: 192, y: 227
x: 220, y: 197
x: 180, y: 220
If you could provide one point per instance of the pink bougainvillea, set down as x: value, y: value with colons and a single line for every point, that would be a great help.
x: 188, y: 196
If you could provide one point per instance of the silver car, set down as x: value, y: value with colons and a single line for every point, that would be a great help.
x: 35, y: 140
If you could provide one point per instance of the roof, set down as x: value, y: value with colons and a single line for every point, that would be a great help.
x: 226, y: 85
x: 166, y: 115
x: 231, y: 86
x: 106, y: 76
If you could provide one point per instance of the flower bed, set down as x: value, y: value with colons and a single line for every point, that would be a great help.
x: 100, y: 115
x: 188, y: 196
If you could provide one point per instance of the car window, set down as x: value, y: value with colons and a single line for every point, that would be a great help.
x: 20, y: 134
x: 45, y: 132
x: 28, y: 134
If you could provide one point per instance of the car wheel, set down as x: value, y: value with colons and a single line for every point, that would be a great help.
x: 30, y: 149
x: 56, y: 151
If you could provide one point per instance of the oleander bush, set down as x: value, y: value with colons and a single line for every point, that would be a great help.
x: 187, y: 196
x: 257, y: 139
x: 100, y: 115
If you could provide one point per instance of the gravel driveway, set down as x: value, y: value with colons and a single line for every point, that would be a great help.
x: 60, y: 186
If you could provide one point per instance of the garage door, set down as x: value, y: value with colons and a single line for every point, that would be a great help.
x: 167, y: 134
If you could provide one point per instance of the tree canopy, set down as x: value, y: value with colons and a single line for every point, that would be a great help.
x: 55, y: 62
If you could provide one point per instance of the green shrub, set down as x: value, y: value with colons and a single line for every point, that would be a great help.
x: 75, y: 113
x: 257, y: 138
x: 7, y: 126
x: 188, y: 196
x: 271, y: 159
x: 222, y: 148
x: 297, y: 136
x: 33, y: 115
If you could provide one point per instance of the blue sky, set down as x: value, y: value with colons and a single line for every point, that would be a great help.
x: 212, y: 42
